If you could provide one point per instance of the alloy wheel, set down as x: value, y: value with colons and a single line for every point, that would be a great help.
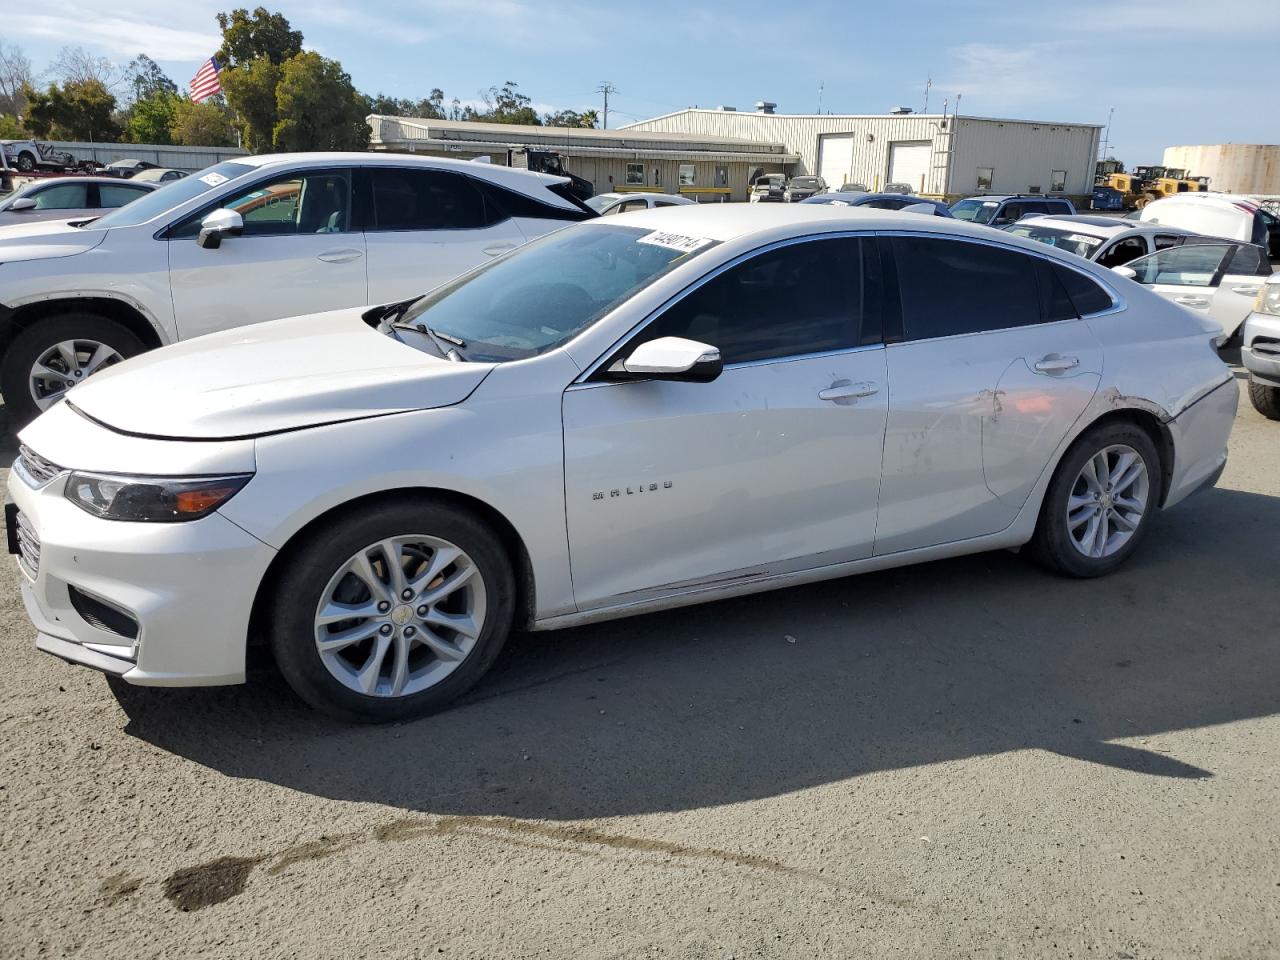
x: 64, y: 365
x: 1108, y: 501
x: 400, y: 615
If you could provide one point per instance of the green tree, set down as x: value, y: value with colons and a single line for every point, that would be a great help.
x: 572, y: 118
x: 206, y: 124
x: 145, y: 78
x: 152, y: 117
x: 77, y: 110
x: 504, y: 104
x: 430, y: 107
x: 250, y: 89
x: 247, y: 37
x: 9, y: 129
x: 318, y: 108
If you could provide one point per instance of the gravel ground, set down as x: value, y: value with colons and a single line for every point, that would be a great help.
x: 968, y: 758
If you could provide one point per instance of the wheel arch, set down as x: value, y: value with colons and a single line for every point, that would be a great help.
x: 1153, y: 427
x: 27, y: 315
x: 512, y: 542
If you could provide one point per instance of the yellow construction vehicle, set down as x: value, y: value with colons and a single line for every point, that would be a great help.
x: 1127, y: 184
x: 1157, y: 182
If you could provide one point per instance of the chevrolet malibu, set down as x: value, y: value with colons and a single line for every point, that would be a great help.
x: 631, y: 414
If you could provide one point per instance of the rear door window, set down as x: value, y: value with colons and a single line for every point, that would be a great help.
x: 952, y: 287
x: 406, y: 199
x: 111, y: 195
x: 1122, y: 252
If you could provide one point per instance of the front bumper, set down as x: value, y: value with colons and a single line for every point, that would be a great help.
x: 1260, y: 347
x: 188, y: 588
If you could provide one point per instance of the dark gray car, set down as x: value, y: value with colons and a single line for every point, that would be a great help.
x: 65, y: 198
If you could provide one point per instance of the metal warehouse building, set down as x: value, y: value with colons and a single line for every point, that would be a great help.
x: 938, y: 154
x: 703, y: 167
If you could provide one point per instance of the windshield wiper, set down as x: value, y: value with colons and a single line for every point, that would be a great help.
x: 438, y: 340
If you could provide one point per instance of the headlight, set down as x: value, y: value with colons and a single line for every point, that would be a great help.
x: 151, y: 499
x: 1268, y: 300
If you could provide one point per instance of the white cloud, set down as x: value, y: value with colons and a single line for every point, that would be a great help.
x: 122, y: 34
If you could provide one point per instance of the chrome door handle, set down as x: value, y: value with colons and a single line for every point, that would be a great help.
x: 499, y: 248
x: 339, y: 256
x: 1192, y: 301
x: 844, y: 390
x: 1056, y: 364
x: 1246, y: 291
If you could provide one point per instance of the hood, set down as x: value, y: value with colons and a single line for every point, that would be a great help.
x: 46, y: 239
x: 271, y: 377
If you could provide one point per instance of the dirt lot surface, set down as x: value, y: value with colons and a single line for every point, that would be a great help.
x: 968, y: 758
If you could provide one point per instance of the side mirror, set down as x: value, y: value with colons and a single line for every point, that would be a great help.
x: 1127, y: 272
x: 673, y: 358
x: 219, y: 224
x: 23, y: 203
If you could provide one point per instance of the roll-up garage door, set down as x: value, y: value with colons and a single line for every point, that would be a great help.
x: 835, y: 159
x: 909, y: 163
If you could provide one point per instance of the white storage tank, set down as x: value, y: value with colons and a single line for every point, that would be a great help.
x: 1231, y: 167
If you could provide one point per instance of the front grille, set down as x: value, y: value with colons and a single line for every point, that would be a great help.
x: 1267, y: 346
x: 105, y: 617
x: 37, y: 467
x: 28, y: 546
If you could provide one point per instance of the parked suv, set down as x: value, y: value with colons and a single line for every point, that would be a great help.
x: 251, y: 239
x: 1260, y: 350
x: 997, y: 211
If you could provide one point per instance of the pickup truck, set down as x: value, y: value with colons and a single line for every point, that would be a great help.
x: 27, y: 155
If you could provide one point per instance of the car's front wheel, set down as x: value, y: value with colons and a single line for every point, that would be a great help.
x: 1265, y: 398
x: 393, y: 611
x: 51, y: 356
x: 1099, y: 501
x: 26, y: 162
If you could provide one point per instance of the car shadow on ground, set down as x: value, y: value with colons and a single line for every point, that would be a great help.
x: 759, y: 696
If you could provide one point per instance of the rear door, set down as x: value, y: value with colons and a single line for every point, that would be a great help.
x: 298, y: 254
x: 424, y: 227
x: 988, y: 369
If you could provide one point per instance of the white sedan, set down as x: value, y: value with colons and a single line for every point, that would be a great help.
x: 609, y: 204
x: 627, y: 415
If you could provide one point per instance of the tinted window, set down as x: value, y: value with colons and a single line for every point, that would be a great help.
x: 312, y: 202
x: 1086, y: 295
x: 949, y: 287
x: 425, y: 200
x: 1055, y: 302
x: 1122, y: 252
x: 117, y: 195
x: 883, y: 203
x: 501, y: 203
x: 1057, y: 206
x: 799, y: 299
x: 64, y: 196
x: 1250, y: 260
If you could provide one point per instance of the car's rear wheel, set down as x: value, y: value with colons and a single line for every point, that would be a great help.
x: 1265, y: 398
x: 1099, y: 501
x: 51, y: 356
x: 393, y: 611
x: 26, y: 162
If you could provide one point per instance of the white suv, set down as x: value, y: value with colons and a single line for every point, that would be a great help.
x: 251, y: 239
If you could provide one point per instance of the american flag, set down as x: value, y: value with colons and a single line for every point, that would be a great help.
x: 205, y: 83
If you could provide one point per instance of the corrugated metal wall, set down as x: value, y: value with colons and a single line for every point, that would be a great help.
x: 1231, y: 167
x: 190, y: 159
x: 1022, y: 154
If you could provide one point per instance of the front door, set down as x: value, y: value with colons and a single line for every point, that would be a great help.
x: 1216, y: 280
x: 991, y: 368
x: 427, y: 227
x: 298, y: 254
x: 773, y: 467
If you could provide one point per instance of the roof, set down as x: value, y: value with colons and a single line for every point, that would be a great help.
x: 518, y: 131
x: 1106, y: 227
x: 860, y: 116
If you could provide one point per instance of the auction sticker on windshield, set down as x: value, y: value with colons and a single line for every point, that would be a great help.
x: 214, y: 179
x: 674, y: 241
x: 1087, y: 240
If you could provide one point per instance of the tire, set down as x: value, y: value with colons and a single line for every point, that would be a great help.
x: 1265, y: 398
x: 1055, y: 543
x: 26, y: 162
x: 313, y: 578
x: 41, y: 341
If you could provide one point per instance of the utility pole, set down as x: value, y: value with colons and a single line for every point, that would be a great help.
x: 606, y: 88
x: 1106, y: 137
x: 821, y: 86
x: 927, y: 87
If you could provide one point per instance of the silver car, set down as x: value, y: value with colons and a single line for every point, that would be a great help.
x: 1260, y: 350
x: 65, y: 198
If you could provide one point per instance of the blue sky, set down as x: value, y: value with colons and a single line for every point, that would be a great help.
x: 1177, y: 71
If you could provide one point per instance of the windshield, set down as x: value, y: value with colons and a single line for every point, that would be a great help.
x: 805, y: 182
x: 598, y: 203
x: 975, y: 211
x: 172, y: 194
x: 1081, y: 244
x: 549, y: 291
